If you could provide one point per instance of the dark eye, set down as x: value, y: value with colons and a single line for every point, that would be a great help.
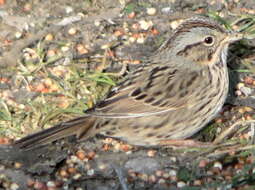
x: 209, y: 40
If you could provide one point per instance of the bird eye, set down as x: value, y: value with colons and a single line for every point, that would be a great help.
x: 209, y: 40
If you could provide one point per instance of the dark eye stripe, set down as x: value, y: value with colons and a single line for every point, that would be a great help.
x: 188, y: 47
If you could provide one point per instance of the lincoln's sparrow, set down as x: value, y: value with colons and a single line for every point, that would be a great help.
x: 170, y: 97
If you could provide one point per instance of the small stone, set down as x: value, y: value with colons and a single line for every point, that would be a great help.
x: 81, y: 49
x: 51, y: 53
x: 151, y: 153
x: 161, y: 181
x: 14, y: 186
x: 159, y: 173
x: 51, y: 184
x: 17, y: 165
x: 144, y: 177
x: 72, y: 31
x: 248, y: 80
x: 97, y: 23
x: 175, y: 23
x: 63, y: 173
x: 240, y: 85
x: 81, y: 154
x: 49, y: 37
x: 77, y: 176
x: 39, y: 185
x: 152, y: 178
x: 197, y: 183
x: 18, y: 35
x: 238, y: 93
x: 151, y: 11
x: 173, y: 159
x: 68, y: 9
x: 132, y: 39
x: 90, y: 172
x: 166, y: 10
x: 172, y: 173
x: 248, y: 109
x: 181, y: 184
x: 202, y: 163
x: 140, y: 40
x: 30, y: 182
x: 131, y: 15
x: 64, y: 48
x: 145, y: 25
x: 246, y: 90
x: 72, y: 170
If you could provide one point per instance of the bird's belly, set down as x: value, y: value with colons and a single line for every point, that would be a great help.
x: 178, y: 124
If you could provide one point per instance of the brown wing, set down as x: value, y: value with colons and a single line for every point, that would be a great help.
x: 149, y: 90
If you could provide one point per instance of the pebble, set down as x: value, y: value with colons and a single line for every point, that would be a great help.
x: 172, y: 173
x: 76, y: 176
x: 90, y: 172
x: 14, y: 186
x: 68, y: 9
x: 151, y: 153
x: 166, y: 10
x: 140, y: 40
x: 145, y: 25
x: 49, y: 37
x: 81, y: 154
x: 246, y: 90
x: 131, y: 15
x: 81, y: 49
x: 72, y: 31
x: 240, y: 85
x: 18, y: 35
x: 151, y: 11
x: 175, y: 24
x: 51, y: 53
x: 97, y: 23
x: 217, y: 165
x: 161, y: 181
x: 202, y: 163
x: 64, y: 48
x: 51, y: 184
x: 181, y: 184
x: 131, y: 39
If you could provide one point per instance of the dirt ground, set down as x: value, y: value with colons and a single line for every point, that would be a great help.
x: 59, y: 57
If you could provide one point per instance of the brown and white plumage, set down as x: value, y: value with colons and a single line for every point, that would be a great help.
x: 172, y: 96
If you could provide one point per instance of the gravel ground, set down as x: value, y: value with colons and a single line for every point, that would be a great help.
x: 49, y: 49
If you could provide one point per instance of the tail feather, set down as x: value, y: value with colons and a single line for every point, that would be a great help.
x: 76, y: 126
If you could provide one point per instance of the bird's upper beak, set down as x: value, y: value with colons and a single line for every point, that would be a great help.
x: 234, y: 37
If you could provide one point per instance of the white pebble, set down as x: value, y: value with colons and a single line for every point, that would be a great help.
x: 151, y: 11
x: 90, y: 172
x: 181, y: 184
x: 140, y: 40
x: 172, y: 173
x: 68, y: 9
x: 51, y: 184
x: 97, y: 23
x: 217, y: 165
x: 166, y: 10
x: 145, y: 25
x: 18, y: 35
x: 14, y: 186
x: 76, y: 176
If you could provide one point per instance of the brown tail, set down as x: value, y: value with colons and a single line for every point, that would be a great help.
x: 78, y: 127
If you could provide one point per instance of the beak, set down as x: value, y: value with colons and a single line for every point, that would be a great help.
x: 235, y: 37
